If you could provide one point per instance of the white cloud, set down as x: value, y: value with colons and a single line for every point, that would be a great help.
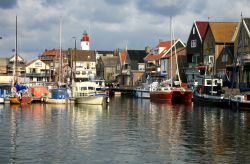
x: 112, y: 23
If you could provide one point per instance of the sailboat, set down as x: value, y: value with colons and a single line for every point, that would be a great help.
x: 167, y: 91
x: 20, y: 93
x: 58, y: 95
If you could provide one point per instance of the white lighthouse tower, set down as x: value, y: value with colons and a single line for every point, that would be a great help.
x: 85, y: 41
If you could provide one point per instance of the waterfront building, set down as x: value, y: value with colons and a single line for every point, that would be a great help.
x: 194, y: 50
x: 218, y: 47
x: 131, y: 67
x: 158, y: 62
x: 242, y: 56
x: 84, y: 65
x: 100, y: 65
x: 54, y: 61
x: 38, y: 71
x: 106, y: 67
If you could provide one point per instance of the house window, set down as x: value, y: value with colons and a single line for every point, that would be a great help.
x: 38, y: 64
x: 193, y: 43
x: 196, y: 59
x: 224, y: 58
x: 193, y: 30
x: 211, y: 60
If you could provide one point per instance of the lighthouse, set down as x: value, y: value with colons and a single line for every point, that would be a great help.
x: 85, y: 41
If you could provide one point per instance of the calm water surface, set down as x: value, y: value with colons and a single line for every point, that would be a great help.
x: 126, y: 131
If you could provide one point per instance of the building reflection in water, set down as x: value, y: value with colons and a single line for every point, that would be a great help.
x: 126, y: 129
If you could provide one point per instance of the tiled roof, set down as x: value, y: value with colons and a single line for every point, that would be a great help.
x: 31, y: 62
x: 123, y: 55
x: 166, y: 44
x: 202, y: 28
x: 52, y: 52
x: 175, y: 52
x: 135, y: 57
x: 223, y: 31
x: 84, y: 55
x: 109, y: 61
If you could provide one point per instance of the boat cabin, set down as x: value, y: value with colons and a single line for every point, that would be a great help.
x: 211, y: 86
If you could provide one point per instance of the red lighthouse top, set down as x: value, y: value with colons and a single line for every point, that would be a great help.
x: 85, y: 37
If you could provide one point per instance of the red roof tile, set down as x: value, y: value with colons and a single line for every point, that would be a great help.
x: 202, y: 28
x: 123, y: 55
x: 166, y: 44
x: 52, y: 52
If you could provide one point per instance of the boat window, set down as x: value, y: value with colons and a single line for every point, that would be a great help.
x: 91, y: 88
x: 215, y: 82
x: 209, y: 82
x: 83, y: 88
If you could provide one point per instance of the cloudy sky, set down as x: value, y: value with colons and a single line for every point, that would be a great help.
x: 111, y: 23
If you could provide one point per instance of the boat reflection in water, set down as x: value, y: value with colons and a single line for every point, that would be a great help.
x: 127, y: 130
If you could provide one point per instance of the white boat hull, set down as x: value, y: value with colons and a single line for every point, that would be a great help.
x: 1, y: 100
x: 56, y: 101
x: 91, y: 100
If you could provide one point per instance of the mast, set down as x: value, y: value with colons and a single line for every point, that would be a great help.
x: 171, y: 53
x: 15, y: 63
x: 60, y: 52
x: 176, y: 60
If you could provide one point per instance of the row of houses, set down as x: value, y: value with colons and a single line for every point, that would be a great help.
x: 212, y: 48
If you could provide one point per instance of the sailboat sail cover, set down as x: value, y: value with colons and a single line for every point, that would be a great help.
x: 20, y: 87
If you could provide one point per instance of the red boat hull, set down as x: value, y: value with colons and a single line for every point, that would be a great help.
x: 183, y: 96
x: 172, y: 95
x: 161, y: 95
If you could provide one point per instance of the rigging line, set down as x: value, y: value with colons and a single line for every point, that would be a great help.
x: 176, y: 58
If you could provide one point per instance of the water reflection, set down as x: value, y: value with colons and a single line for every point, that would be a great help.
x: 126, y: 130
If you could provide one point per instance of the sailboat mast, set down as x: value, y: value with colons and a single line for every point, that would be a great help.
x: 15, y: 63
x: 176, y: 60
x: 171, y: 53
x: 60, y: 51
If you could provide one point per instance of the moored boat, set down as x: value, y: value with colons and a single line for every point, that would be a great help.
x: 172, y: 94
x: 240, y: 102
x: 57, y: 96
x: 210, y: 93
x: 38, y: 92
x: 20, y: 95
x: 86, y: 93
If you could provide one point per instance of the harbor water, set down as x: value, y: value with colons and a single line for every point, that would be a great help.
x: 126, y: 130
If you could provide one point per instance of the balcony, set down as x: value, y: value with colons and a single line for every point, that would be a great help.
x: 38, y: 74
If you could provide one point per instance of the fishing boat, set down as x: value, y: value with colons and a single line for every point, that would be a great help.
x: 210, y: 92
x: 20, y: 94
x: 86, y: 93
